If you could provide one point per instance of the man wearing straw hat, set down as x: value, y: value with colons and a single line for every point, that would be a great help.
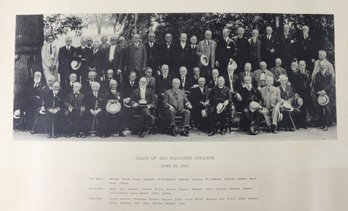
x: 323, y: 86
x: 251, y: 106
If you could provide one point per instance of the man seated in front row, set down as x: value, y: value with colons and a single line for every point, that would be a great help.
x: 75, y: 113
x: 271, y: 104
x: 220, y: 97
x: 94, y: 114
x: 143, y: 99
x: 199, y: 97
x: 176, y: 102
x: 251, y: 112
x: 287, y: 94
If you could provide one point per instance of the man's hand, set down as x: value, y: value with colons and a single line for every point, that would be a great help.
x: 272, y: 50
x: 83, y: 108
x: 119, y: 71
x: 135, y: 105
x: 239, y: 98
x: 225, y: 102
x: 217, y: 64
x: 171, y: 108
x: 189, y: 106
x: 70, y: 109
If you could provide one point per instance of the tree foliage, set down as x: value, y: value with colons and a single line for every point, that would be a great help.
x: 62, y: 24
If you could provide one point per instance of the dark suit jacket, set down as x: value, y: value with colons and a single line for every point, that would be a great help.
x: 323, y: 82
x: 64, y: 60
x: 241, y: 78
x: 188, y: 83
x: 58, y: 100
x: 266, y: 46
x: 306, y: 48
x: 197, y: 96
x: 67, y: 88
x: 255, y: 49
x: 84, y: 55
x: 91, y: 101
x: 128, y: 89
x: 33, y: 91
x: 163, y: 84
x: 235, y: 82
x: 168, y: 57
x: 243, y: 50
x: 218, y: 95
x: 192, y: 59
x: 211, y: 83
x: 104, y: 47
x: 76, y: 103
x: 150, y: 97
x: 153, y: 56
x: 178, y: 101
x: 136, y: 59
x: 224, y: 52
x: 288, y: 94
x: 285, y: 46
x: 98, y: 61
x: 182, y: 56
x: 250, y: 95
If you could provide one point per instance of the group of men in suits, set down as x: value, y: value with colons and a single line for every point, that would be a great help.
x: 172, y: 78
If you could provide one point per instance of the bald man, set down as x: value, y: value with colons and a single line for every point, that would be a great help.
x: 225, y: 51
x: 65, y: 56
x: 137, y: 57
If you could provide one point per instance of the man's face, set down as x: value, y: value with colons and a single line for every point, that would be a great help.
x: 95, y: 46
x: 305, y: 30
x: 104, y: 40
x: 56, y: 87
x: 221, y: 82
x: 247, y: 80
x: 110, y: 74
x: 83, y: 42
x: 165, y: 70
x: 152, y: 37
x: 183, y: 38
x: 269, y: 30
x: 322, y: 66
x: 196, y: 71
x: 132, y: 77
x: 122, y: 41
x: 302, y: 65
x: 201, y: 82
x: 247, y: 67
x: 113, y: 41
x: 95, y: 87
x: 73, y: 78
x: 89, y: 42
x: 255, y: 33
x: 225, y: 33
x: 168, y: 38
x: 37, y: 77
x: 68, y: 42
x: 215, y: 74
x: 148, y: 73
x: 183, y: 72
x: 76, y: 88
x: 277, y: 63
x: 136, y: 39
x: 263, y: 66
x: 91, y: 76
x: 294, y: 67
x: 193, y: 40
x: 50, y: 82
x: 269, y: 81
x: 50, y: 39
x: 240, y: 31
x: 176, y: 84
x: 283, y: 81
x: 113, y: 86
x: 286, y: 28
x: 321, y: 55
x: 207, y: 35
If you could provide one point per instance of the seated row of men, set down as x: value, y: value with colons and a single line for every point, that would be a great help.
x: 104, y: 107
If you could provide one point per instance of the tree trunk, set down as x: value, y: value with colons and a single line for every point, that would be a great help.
x: 29, y: 40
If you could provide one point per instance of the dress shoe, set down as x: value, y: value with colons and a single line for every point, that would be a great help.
x: 142, y: 134
x: 252, y: 132
x: 222, y: 132
x: 211, y: 133
x: 121, y: 134
x: 32, y: 132
x: 274, y: 129
x: 67, y: 136
x: 173, y: 131
x: 325, y: 128
x: 291, y: 129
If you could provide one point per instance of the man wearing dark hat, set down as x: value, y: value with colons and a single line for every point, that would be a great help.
x: 54, y: 106
x: 323, y: 86
x: 251, y: 113
x: 49, y: 57
x: 143, y: 100
x: 75, y: 112
x: 219, y: 98
x: 176, y: 102
x: 65, y: 57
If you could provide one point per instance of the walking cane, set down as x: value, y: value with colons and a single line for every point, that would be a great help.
x: 292, y: 121
x: 93, y: 132
x: 52, y: 131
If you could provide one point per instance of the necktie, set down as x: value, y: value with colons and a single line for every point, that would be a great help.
x: 51, y: 49
x: 67, y: 47
x: 268, y: 37
x: 95, y: 94
x: 36, y: 85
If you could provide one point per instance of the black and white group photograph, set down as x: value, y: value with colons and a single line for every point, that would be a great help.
x: 174, y: 77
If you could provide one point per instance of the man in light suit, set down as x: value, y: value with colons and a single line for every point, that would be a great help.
x: 136, y: 59
x: 49, y: 56
x: 260, y: 75
x: 271, y: 104
x: 255, y: 48
x: 207, y: 47
x: 147, y: 94
x: 176, y: 102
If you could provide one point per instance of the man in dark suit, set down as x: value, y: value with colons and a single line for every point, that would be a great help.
x: 306, y: 47
x: 136, y: 59
x: 98, y: 61
x: 323, y: 85
x: 192, y: 57
x: 112, y: 55
x: 69, y: 85
x: 143, y: 99
x: 182, y: 53
x: 84, y: 55
x: 268, y: 47
x: 250, y: 119
x: 164, y: 81
x: 153, y: 52
x: 255, y: 48
x: 243, y: 49
x: 65, y: 57
x: 94, y: 110
x: 226, y: 51
x: 196, y: 76
x: 278, y: 70
x: 176, y: 102
x: 104, y: 45
x: 185, y: 81
x: 288, y: 95
x: 87, y: 85
x: 168, y: 54
x: 285, y: 47
x: 151, y: 81
x: 301, y: 85
x: 213, y: 82
x: 54, y: 106
x: 219, y: 95
x: 104, y: 85
x: 75, y: 112
x: 232, y: 80
x: 129, y: 85
x: 246, y: 72
x: 200, y: 101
